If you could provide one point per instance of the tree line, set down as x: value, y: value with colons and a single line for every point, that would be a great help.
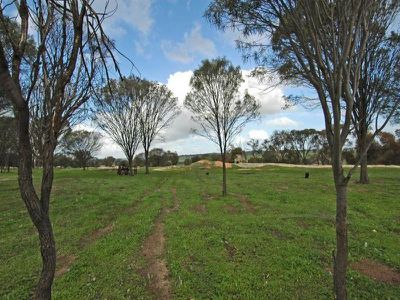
x: 344, y: 50
x: 310, y: 146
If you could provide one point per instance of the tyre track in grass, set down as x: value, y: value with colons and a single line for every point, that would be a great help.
x: 153, y: 250
x: 64, y: 262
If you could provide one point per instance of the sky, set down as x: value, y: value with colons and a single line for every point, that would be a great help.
x: 167, y: 40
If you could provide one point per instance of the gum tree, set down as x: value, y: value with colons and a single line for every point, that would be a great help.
x: 82, y: 145
x: 321, y: 44
x: 72, y: 49
x: 118, y: 114
x: 218, y: 107
x: 158, y: 108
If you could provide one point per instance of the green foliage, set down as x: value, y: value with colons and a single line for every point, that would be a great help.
x: 158, y: 158
x: 277, y: 246
x: 82, y: 145
x: 216, y: 103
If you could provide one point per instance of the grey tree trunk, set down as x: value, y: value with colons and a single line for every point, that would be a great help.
x: 130, y: 159
x: 364, y: 162
x: 364, y: 178
x: 224, y: 189
x: 38, y: 209
x: 340, y: 258
x: 146, y: 161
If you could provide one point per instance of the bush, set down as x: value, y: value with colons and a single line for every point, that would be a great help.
x: 195, y: 158
x: 187, y: 162
x: 256, y: 160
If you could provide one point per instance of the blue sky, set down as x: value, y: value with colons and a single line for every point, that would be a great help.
x: 167, y: 40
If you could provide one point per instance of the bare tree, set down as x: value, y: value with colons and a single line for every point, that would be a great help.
x: 217, y: 105
x: 71, y: 47
x: 323, y: 44
x: 82, y: 145
x: 118, y: 114
x: 158, y: 107
x: 378, y: 91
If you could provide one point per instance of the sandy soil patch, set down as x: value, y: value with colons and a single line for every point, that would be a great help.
x: 153, y: 250
x: 64, y: 263
x: 95, y: 235
x: 248, y: 206
x: 200, y: 208
x: 377, y: 271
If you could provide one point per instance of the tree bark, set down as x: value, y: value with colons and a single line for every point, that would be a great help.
x: 224, y: 190
x: 364, y: 162
x: 340, y: 258
x: 48, y: 252
x: 364, y: 178
x: 38, y: 209
x: 130, y: 166
x: 146, y: 160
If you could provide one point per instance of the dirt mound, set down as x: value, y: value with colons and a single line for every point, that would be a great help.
x: 377, y: 271
x: 204, y: 163
x: 218, y: 164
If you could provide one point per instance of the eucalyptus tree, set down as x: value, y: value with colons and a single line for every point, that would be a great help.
x: 378, y: 94
x: 81, y: 145
x: 302, y: 142
x: 158, y: 108
x: 218, y: 107
x: 321, y: 44
x: 255, y: 147
x: 118, y: 111
x: 72, y: 50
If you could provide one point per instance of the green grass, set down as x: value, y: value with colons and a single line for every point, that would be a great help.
x: 271, y: 238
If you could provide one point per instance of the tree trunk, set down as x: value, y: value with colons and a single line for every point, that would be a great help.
x: 37, y: 208
x: 364, y: 179
x: 362, y: 144
x: 48, y: 252
x: 146, y: 161
x: 340, y: 258
x: 224, y: 192
x: 130, y: 166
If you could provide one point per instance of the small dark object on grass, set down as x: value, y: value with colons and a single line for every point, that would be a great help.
x: 122, y: 170
x: 207, y: 173
x: 307, y: 175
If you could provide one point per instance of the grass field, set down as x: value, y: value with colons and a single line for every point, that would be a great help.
x: 170, y: 234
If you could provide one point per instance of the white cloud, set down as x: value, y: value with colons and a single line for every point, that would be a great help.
x: 282, y: 122
x: 178, y: 137
x: 134, y: 13
x: 181, y: 127
x: 194, y: 43
x: 178, y: 83
x: 258, y: 134
x: 271, y: 99
x: 110, y: 148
